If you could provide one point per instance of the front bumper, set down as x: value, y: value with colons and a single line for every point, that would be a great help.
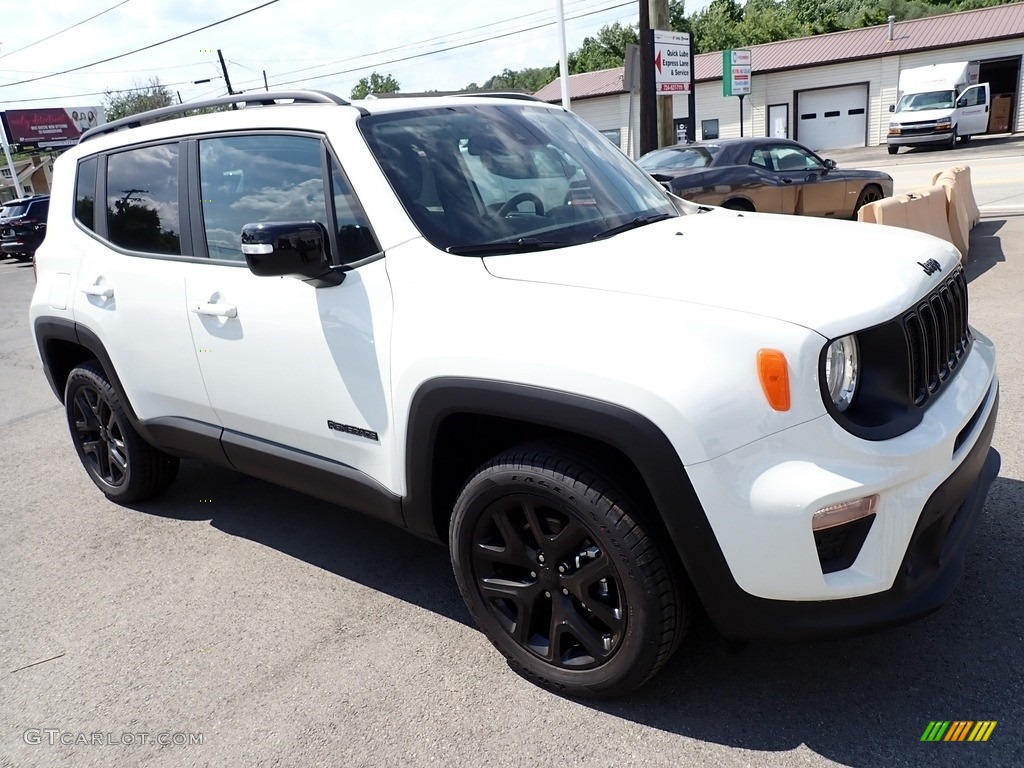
x: 918, y: 139
x: 929, y: 572
x: 769, y: 577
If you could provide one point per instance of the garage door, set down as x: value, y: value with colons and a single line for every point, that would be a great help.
x: 833, y: 118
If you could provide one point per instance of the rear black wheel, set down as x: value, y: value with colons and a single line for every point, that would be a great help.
x: 892, y: 150
x: 123, y: 465
x: 561, y: 575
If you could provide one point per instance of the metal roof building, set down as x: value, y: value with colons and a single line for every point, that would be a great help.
x: 827, y: 91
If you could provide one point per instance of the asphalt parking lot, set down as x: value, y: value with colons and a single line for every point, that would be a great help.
x: 279, y: 630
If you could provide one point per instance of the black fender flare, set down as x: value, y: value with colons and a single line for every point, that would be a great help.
x: 627, y: 431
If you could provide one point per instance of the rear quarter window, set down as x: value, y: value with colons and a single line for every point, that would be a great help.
x: 85, y: 194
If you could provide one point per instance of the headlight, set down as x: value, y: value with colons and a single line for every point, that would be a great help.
x: 944, y: 121
x: 893, y: 124
x: 842, y: 362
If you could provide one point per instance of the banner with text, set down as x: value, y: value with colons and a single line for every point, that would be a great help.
x: 672, y: 62
x: 735, y: 72
x: 49, y: 128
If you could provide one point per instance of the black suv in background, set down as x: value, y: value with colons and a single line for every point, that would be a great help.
x: 23, y: 226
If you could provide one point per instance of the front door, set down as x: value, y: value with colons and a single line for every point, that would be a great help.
x: 286, y: 363
x: 972, y: 110
x: 778, y: 121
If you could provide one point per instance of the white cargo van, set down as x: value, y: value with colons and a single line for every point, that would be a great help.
x: 937, y: 104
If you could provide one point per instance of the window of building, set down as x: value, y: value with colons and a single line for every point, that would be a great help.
x: 142, y: 199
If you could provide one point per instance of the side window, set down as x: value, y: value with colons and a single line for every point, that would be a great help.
x: 794, y: 159
x: 250, y: 179
x: 355, y: 240
x: 973, y: 98
x: 762, y: 159
x: 142, y: 199
x: 85, y: 194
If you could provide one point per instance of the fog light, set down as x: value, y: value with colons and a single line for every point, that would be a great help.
x: 847, y: 512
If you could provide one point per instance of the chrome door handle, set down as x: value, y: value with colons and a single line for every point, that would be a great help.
x: 216, y: 310
x: 103, y: 291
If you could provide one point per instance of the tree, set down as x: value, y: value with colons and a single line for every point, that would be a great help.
x: 140, y: 98
x: 605, y: 51
x: 375, y: 83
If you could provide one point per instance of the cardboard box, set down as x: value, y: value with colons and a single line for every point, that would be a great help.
x: 999, y: 114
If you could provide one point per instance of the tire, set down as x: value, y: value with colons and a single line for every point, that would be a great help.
x: 532, y: 537
x: 123, y: 465
x: 952, y: 139
x: 892, y: 150
x: 738, y: 205
x: 869, y: 194
x: 965, y: 139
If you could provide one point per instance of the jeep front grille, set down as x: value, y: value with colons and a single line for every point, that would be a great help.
x: 938, y: 337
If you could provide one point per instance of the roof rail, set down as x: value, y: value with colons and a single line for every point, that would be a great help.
x: 500, y: 95
x: 262, y: 98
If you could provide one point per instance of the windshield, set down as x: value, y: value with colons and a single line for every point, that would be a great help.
x: 495, y: 179
x: 916, y: 102
x: 10, y: 211
x: 678, y: 157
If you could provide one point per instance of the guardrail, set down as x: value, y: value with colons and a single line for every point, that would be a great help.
x: 947, y: 209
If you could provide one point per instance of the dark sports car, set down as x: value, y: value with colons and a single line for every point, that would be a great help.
x: 764, y: 174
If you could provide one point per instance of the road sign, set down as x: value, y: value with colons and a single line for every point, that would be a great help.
x: 735, y: 72
x: 672, y: 62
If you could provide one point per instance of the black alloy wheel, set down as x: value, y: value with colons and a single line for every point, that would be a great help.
x: 561, y: 576
x: 870, y: 194
x: 100, y: 436
x: 547, y: 582
x: 121, y: 464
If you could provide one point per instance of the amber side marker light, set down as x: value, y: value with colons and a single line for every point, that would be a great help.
x: 774, y: 374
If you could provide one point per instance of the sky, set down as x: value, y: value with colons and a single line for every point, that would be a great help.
x: 316, y: 44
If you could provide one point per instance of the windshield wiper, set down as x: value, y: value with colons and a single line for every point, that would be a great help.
x: 506, y: 246
x: 639, y: 221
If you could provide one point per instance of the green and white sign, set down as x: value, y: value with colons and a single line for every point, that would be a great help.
x: 735, y: 72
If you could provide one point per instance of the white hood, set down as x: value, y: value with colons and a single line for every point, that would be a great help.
x: 834, y: 277
x: 922, y: 115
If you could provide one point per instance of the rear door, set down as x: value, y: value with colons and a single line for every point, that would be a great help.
x: 131, y: 279
x: 972, y: 110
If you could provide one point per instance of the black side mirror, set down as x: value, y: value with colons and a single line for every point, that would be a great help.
x: 830, y: 164
x: 892, y: 107
x: 289, y: 249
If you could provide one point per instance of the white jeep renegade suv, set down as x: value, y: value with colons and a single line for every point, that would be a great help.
x: 475, y: 318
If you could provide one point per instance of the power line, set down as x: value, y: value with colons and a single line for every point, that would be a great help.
x: 98, y: 93
x: 139, y: 50
x: 61, y: 32
x: 449, y: 37
x: 449, y: 48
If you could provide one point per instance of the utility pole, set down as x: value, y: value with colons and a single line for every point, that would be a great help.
x: 648, y: 101
x: 265, y: 86
x: 666, y: 130
x: 224, y: 69
x: 656, y: 128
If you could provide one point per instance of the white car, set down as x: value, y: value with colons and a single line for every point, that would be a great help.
x: 475, y: 318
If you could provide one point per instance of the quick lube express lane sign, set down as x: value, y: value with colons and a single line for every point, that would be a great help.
x: 672, y: 62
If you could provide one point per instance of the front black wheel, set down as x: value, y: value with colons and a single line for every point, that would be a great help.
x: 123, y: 465
x: 561, y: 575
x: 870, y: 194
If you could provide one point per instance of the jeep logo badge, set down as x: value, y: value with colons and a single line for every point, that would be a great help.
x: 931, y: 266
